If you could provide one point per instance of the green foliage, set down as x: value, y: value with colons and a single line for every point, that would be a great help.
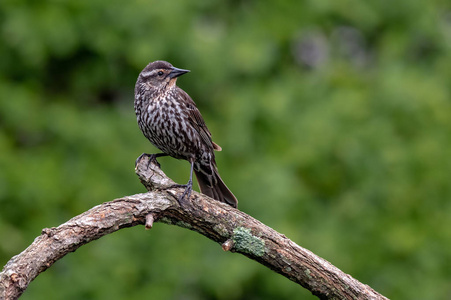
x: 334, y: 117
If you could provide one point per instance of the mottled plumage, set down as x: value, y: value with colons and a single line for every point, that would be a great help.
x: 169, y: 118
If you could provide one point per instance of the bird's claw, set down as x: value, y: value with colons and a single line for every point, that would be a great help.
x: 152, y: 159
x: 186, y: 193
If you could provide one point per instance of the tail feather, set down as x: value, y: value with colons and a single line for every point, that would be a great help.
x: 213, y: 186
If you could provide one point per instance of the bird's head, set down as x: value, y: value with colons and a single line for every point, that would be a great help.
x: 160, y: 75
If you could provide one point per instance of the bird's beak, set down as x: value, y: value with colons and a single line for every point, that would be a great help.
x: 176, y: 72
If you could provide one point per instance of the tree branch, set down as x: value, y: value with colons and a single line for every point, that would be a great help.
x: 233, y: 229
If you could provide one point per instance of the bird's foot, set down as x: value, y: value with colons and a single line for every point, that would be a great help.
x: 186, y: 193
x: 152, y: 159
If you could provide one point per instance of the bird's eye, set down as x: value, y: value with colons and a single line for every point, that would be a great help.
x: 160, y: 73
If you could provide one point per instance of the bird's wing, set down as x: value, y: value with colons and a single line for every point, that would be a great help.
x: 196, y: 120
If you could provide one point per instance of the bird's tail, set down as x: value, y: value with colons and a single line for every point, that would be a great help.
x: 211, y: 184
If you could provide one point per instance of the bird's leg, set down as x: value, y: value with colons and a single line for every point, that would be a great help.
x: 188, y: 187
x: 152, y: 158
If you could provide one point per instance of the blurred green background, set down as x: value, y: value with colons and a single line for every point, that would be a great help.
x: 334, y: 117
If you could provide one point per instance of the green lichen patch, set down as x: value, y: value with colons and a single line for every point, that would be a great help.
x: 245, y: 242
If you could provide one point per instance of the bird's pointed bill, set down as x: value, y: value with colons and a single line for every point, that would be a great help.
x: 176, y: 72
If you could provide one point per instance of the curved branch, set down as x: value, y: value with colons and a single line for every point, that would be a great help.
x: 233, y: 229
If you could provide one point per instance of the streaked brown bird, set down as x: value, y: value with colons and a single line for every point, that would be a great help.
x: 170, y: 120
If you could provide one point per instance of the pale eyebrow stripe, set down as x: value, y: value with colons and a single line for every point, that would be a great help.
x: 148, y: 74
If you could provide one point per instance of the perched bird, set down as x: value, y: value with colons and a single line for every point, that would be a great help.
x: 170, y: 120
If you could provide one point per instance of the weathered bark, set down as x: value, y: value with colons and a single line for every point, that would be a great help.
x: 233, y: 229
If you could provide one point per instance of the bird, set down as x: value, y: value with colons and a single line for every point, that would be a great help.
x: 171, y: 121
